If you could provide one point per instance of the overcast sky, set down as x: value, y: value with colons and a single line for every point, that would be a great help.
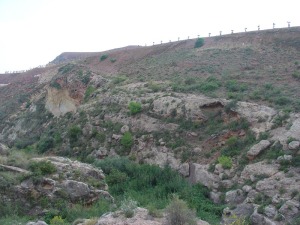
x: 34, y: 32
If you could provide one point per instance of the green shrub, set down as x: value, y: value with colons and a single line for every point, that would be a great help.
x: 57, y: 220
x: 296, y: 75
x: 153, y: 211
x: 113, y: 60
x: 234, y: 86
x: 190, y: 81
x: 100, y: 136
x: 199, y: 43
x: 45, y: 144
x: 210, y: 84
x: 86, y: 78
x: 230, y: 106
x: 280, y: 120
x: 73, y: 133
x: 115, y: 177
x: 152, y: 185
x: 42, y: 167
x: 127, y: 140
x: 128, y: 206
x: 66, y: 68
x: 103, y: 57
x: 232, y: 141
x: 55, y: 84
x: 134, y: 108
x: 225, y: 161
x: 88, y: 92
x: 119, y: 79
x: 178, y: 213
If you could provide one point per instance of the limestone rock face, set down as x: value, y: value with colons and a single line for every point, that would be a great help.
x: 255, y: 150
x: 59, y: 102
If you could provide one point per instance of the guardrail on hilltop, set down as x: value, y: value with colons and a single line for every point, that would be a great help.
x: 220, y: 33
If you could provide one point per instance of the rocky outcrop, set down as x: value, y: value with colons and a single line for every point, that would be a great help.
x: 14, y: 169
x: 71, y: 181
x: 37, y: 223
x: 280, y: 184
x: 141, y: 217
x: 255, y: 150
x: 240, y: 211
x: 72, y: 169
x: 282, y: 134
x: 259, y: 116
x: 257, y: 171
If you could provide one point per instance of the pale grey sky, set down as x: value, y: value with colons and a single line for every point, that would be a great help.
x: 34, y: 32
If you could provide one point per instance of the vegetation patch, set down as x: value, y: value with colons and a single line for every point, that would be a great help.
x: 103, y: 57
x: 225, y: 161
x: 88, y: 92
x: 134, y: 108
x: 127, y: 141
x: 152, y: 185
x: 199, y: 43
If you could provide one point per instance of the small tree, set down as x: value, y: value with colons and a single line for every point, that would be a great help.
x: 199, y: 43
x: 127, y: 140
x: 178, y: 213
x: 135, y: 108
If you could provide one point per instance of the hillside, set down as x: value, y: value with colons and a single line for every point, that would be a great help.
x: 225, y: 115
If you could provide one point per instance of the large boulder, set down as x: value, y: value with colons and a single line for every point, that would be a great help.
x: 294, y: 145
x: 235, y: 196
x: 199, y: 174
x: 256, y: 149
x: 76, y: 190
